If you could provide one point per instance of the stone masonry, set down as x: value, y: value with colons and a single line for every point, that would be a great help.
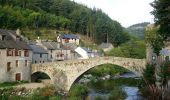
x: 64, y: 73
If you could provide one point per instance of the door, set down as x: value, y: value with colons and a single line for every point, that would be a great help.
x: 18, y: 77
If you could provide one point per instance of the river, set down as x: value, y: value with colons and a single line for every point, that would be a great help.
x: 132, y: 92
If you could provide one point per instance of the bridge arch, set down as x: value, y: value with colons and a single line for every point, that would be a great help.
x: 64, y: 73
x: 97, y: 65
x: 39, y: 75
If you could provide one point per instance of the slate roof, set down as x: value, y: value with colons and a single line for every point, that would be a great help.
x: 38, y: 49
x: 69, y: 36
x: 70, y: 46
x: 51, y: 45
x: 165, y: 52
x: 87, y: 50
x: 11, y: 44
x: 7, y: 32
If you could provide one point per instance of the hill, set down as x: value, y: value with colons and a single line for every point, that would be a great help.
x: 138, y: 30
x: 60, y: 15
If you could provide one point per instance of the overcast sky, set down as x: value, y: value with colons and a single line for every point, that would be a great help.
x: 127, y: 12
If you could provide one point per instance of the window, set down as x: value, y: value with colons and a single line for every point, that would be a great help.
x: 9, y: 52
x: 40, y: 55
x: 19, y: 53
x: 35, y: 61
x: 8, y: 66
x: 16, y: 53
x: 16, y: 63
x: 3, y: 37
x: 26, y: 53
x: 26, y: 63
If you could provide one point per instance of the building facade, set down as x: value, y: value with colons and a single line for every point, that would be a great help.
x: 68, y: 38
x: 15, y: 57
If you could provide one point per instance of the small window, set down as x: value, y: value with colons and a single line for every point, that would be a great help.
x: 40, y: 61
x: 26, y: 63
x: 40, y: 55
x: 3, y: 37
x: 35, y: 61
x: 9, y: 52
x: 8, y: 66
x: 26, y: 53
x: 16, y: 63
x: 19, y: 53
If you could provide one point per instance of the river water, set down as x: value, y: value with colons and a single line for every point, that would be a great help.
x: 131, y: 91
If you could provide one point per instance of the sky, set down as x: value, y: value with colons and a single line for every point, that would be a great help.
x: 127, y: 12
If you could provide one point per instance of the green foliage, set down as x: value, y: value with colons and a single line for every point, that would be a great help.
x: 9, y: 84
x: 154, y: 39
x: 77, y: 92
x: 162, y: 17
x: 138, y: 30
x: 165, y: 72
x: 106, y: 69
x: 98, y: 98
x: 149, y: 74
x: 61, y: 14
x: 117, y: 94
x: 131, y: 49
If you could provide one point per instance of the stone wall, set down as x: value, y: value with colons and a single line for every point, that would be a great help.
x: 64, y: 73
x: 10, y: 75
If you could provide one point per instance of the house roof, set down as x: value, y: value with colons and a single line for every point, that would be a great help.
x: 11, y: 44
x: 38, y: 49
x: 7, y: 32
x: 165, y: 52
x: 87, y: 50
x: 69, y: 36
x: 70, y: 46
x: 51, y: 45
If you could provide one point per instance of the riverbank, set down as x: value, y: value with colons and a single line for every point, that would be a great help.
x: 104, y: 82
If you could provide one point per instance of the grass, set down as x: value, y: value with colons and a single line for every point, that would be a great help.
x: 10, y: 84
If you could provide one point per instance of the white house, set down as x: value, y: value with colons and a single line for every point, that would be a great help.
x: 68, y: 38
x: 15, y: 57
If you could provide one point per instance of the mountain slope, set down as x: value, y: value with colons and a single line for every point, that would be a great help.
x: 138, y: 30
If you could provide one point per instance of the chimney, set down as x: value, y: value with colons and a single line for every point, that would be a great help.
x: 18, y: 32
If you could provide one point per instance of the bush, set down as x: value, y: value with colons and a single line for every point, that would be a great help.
x: 78, y: 91
x: 117, y: 94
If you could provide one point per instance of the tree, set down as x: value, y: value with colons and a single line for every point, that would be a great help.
x: 161, y: 13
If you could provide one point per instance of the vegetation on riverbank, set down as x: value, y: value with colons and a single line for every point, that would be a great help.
x: 78, y: 91
x: 10, y: 84
x: 131, y: 49
x: 107, y: 69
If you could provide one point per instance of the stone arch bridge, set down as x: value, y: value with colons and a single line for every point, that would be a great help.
x: 64, y: 73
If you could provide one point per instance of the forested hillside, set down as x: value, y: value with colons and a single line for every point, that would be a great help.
x: 138, y: 30
x: 61, y: 14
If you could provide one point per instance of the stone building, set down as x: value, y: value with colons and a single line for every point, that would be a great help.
x: 55, y: 51
x: 40, y: 55
x: 68, y: 38
x: 15, y: 57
